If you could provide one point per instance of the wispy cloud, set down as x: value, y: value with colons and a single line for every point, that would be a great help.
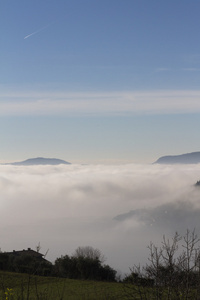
x: 191, y: 69
x: 35, y: 32
x: 162, y: 70
x: 110, y: 103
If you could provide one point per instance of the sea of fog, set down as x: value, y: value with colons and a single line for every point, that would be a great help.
x: 118, y: 209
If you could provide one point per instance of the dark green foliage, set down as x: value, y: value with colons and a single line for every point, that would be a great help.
x: 134, y: 278
x: 4, y: 261
x: 25, y: 264
x: 83, y: 268
x: 107, y: 273
x: 86, y: 263
x: 197, y: 183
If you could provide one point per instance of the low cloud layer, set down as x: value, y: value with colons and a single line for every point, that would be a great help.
x: 118, y: 209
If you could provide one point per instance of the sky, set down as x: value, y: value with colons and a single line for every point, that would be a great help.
x: 99, y: 81
x: 118, y: 209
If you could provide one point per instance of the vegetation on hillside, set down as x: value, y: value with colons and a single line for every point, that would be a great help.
x: 86, y: 263
x: 172, y: 272
x: 197, y: 183
x: 32, y: 287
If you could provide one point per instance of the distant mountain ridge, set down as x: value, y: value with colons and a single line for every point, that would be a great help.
x: 40, y: 161
x: 188, y: 158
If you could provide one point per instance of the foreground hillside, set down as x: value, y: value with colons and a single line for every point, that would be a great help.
x: 18, y: 286
x: 172, y: 273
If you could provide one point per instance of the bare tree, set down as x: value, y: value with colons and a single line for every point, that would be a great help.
x: 174, y: 268
x: 89, y: 252
x: 38, y: 247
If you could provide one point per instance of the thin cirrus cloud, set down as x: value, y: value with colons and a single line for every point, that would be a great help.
x: 191, y: 69
x: 158, y: 70
x: 35, y: 32
x: 162, y: 70
x: 110, y: 103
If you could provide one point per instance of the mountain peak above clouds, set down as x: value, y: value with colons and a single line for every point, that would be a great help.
x: 40, y: 161
x: 188, y: 158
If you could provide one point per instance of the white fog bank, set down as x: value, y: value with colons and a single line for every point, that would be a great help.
x: 118, y: 209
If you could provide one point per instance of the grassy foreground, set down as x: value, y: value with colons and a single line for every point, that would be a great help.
x: 24, y: 287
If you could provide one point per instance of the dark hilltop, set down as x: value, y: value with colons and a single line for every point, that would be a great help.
x: 188, y: 158
x: 40, y: 161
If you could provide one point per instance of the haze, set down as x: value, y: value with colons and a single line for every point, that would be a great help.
x: 117, y: 208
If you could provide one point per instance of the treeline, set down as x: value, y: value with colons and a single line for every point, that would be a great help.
x: 83, y: 268
x: 86, y: 263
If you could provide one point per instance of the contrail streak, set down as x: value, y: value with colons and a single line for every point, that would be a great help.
x: 35, y: 32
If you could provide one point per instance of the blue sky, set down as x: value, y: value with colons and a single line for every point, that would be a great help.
x: 99, y: 81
